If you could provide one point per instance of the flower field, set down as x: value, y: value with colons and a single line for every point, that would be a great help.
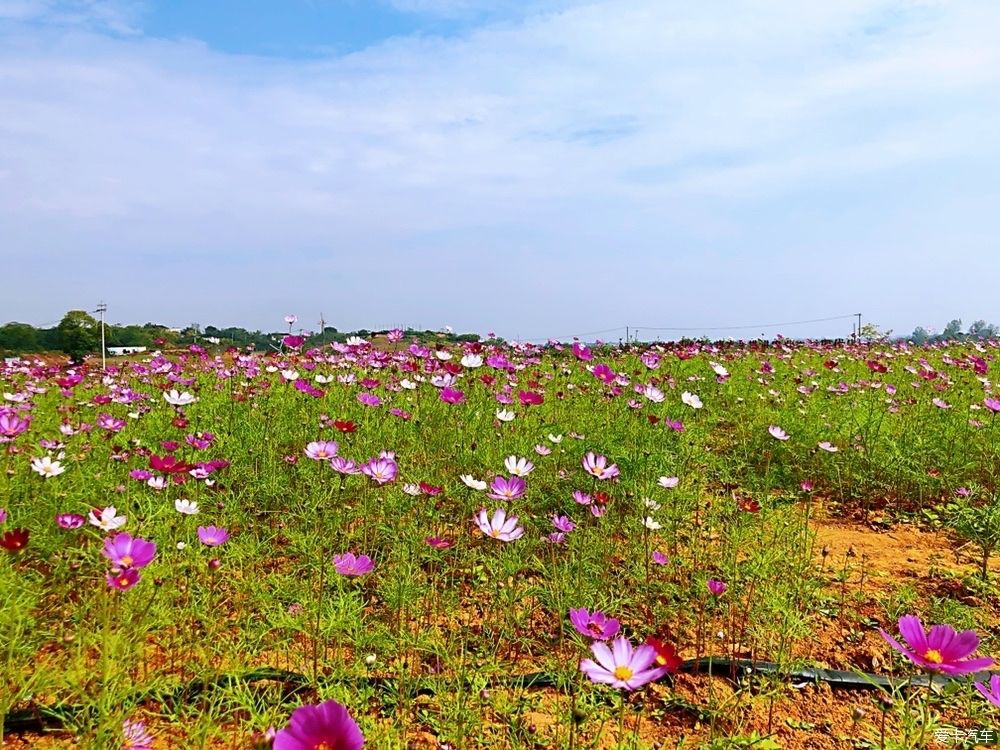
x: 420, y: 545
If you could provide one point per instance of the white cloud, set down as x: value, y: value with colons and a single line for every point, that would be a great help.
x: 581, y: 128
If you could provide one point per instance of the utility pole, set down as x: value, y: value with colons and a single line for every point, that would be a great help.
x: 322, y: 327
x: 102, y: 308
x: 859, y: 327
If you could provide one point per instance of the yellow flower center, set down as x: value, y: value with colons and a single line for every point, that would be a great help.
x: 933, y: 655
x: 494, y: 533
x: 623, y: 673
x: 127, y: 561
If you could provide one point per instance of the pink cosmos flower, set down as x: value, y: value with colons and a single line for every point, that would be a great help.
x: 213, y: 536
x: 582, y: 497
x: 126, y: 551
x: 622, y: 666
x: 594, y: 624
x: 668, y: 483
x: 438, y: 542
x: 991, y: 693
x: 322, y: 450
x: 348, y: 564
x: 135, y: 736
x: 993, y: 404
x: 3, y: 515
x: 507, y: 489
x: 543, y: 450
x: 451, y: 395
x: 597, y: 466
x: 499, y: 526
x: 11, y: 425
x: 123, y: 579
x: 380, y: 470
x: 563, y: 523
x: 327, y: 726
x: 777, y: 433
x: 344, y: 465
x: 828, y: 447
x: 941, y: 649
x: 369, y: 399
x: 659, y: 558
x: 717, y: 588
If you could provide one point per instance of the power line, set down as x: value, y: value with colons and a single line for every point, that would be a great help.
x: 747, y: 327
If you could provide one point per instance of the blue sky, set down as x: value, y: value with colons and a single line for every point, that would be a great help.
x: 536, y: 168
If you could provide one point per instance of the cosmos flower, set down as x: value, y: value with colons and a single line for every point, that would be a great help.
x: 659, y: 558
x: 668, y: 483
x: 344, y: 465
x: 123, y: 579
x: 519, y: 467
x: 70, y: 521
x: 326, y: 726
x: 135, y: 736
x: 666, y: 654
x: 186, y: 507
x: 939, y: 650
x: 14, y: 540
x: 175, y: 398
x: 993, y: 404
x: 499, y: 526
x: 380, y: 470
x: 777, y: 433
x: 563, y: 523
x: 213, y: 536
x: 597, y: 466
x: 505, y: 415
x: 439, y: 542
x: 622, y: 666
x: 472, y: 483
x: 321, y: 450
x: 507, y: 489
x: 46, y: 467
x: 594, y: 624
x: 691, y: 400
x: 451, y: 395
x: 716, y: 587
x: 126, y: 551
x: 472, y: 361
x: 11, y: 425
x: 106, y: 519
x: 827, y: 446
x: 349, y: 564
x: 991, y: 693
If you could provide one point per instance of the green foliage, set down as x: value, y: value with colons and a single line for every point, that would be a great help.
x: 79, y: 335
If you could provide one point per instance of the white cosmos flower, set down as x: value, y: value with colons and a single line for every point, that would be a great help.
x: 828, y: 447
x: 651, y: 504
x: 17, y: 398
x: 472, y: 361
x: 445, y: 380
x: 505, y: 415
x: 187, y: 507
x: 555, y: 438
x: 668, y: 483
x: 290, y: 375
x: 719, y: 370
x: 323, y: 379
x: 46, y: 467
x: 181, y: 546
x: 691, y: 400
x: 412, y: 489
x: 175, y: 398
x: 355, y: 341
x: 653, y: 393
x: 107, y: 519
x: 473, y: 483
x: 408, y: 384
x: 443, y: 355
x: 519, y: 467
x: 157, y: 483
x: 651, y: 523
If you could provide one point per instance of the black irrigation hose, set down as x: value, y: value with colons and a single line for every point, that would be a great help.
x: 40, y: 718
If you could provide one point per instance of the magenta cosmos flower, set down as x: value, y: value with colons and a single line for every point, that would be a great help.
x: 622, y: 666
x: 451, y: 395
x: 991, y: 693
x: 507, y: 489
x: 939, y: 650
x: 594, y: 624
x: 716, y: 587
x: 123, y: 580
x: 126, y: 551
x: 380, y: 470
x: 12, y: 425
x: 322, y: 450
x: 135, y: 736
x: 597, y: 466
x: 349, y: 564
x: 213, y: 536
x: 70, y: 520
x: 499, y: 526
x: 327, y: 726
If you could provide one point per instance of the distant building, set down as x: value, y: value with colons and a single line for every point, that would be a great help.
x: 118, y: 351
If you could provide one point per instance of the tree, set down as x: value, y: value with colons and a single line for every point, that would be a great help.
x: 872, y: 333
x: 920, y: 336
x: 982, y: 330
x: 78, y: 335
x: 18, y: 337
x: 953, y: 331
